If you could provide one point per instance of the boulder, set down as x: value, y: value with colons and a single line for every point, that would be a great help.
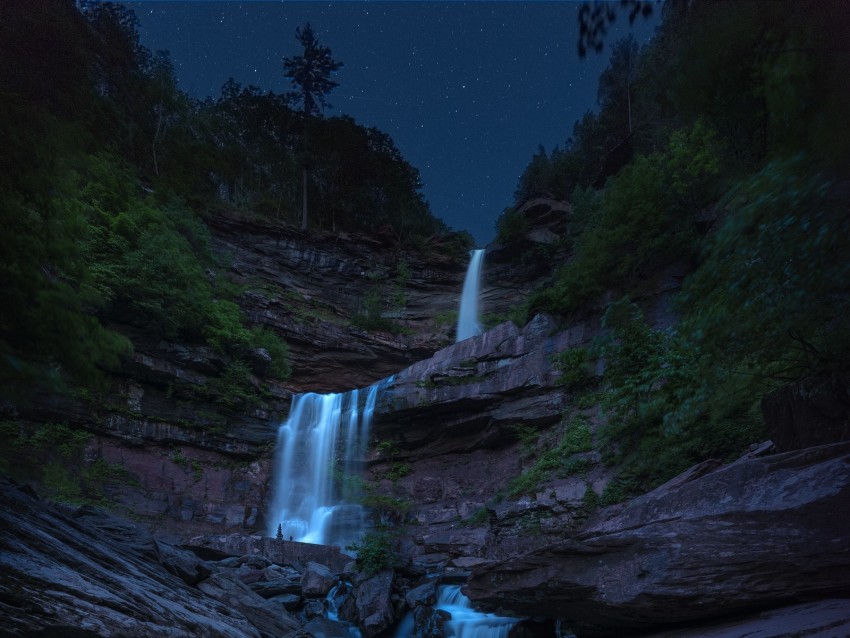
x: 758, y: 533
x: 429, y: 622
x: 374, y: 604
x: 317, y: 580
x: 424, y: 594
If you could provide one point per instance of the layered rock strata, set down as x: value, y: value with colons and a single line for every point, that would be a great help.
x: 758, y: 533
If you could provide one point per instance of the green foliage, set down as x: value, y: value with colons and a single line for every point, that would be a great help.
x: 388, y: 449
x: 510, y: 226
x: 560, y: 458
x: 234, y: 387
x: 478, y: 518
x: 573, y: 364
x: 527, y: 435
x: 662, y: 414
x: 397, y: 471
x: 51, y: 456
x: 783, y: 254
x: 643, y: 219
x: 374, y: 552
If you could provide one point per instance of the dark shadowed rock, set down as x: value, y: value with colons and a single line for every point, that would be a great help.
x: 374, y: 604
x: 270, y: 619
x: 91, y: 575
x: 429, y: 622
x: 317, y: 580
x: 324, y: 628
x: 183, y: 564
x: 823, y: 619
x: 813, y: 411
x: 270, y: 549
x: 760, y: 532
x: 424, y: 594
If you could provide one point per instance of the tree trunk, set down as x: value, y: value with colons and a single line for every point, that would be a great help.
x: 304, y: 201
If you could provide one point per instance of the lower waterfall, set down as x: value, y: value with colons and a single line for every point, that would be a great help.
x: 325, y: 438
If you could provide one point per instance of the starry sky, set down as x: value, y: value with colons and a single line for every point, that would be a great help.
x: 467, y: 90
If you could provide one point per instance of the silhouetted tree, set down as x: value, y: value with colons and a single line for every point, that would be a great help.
x: 310, y: 73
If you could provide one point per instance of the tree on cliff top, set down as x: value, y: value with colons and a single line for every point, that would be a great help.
x: 310, y: 73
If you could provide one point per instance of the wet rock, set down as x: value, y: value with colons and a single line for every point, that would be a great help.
x: 314, y: 608
x: 424, y: 594
x: 429, y: 622
x: 374, y: 604
x: 324, y: 628
x: 317, y: 580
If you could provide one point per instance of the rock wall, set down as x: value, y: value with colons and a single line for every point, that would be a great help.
x: 194, y: 462
x: 757, y: 533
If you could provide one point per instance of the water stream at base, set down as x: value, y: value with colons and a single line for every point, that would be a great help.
x: 324, y: 434
x: 465, y: 621
x: 467, y: 321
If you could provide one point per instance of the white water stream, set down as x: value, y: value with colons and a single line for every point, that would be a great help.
x: 465, y: 621
x: 467, y: 321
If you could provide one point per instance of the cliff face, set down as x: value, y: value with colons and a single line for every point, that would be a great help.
x: 188, y: 459
x: 309, y: 287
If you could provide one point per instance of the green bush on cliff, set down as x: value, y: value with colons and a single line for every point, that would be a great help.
x: 643, y: 219
x: 374, y: 552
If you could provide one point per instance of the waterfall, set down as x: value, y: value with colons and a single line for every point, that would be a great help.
x: 467, y: 321
x: 468, y: 623
x: 465, y: 621
x: 307, y: 502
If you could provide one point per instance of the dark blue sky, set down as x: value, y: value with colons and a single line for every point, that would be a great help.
x: 468, y: 90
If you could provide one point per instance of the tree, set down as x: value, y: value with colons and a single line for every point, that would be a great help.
x: 617, y: 81
x: 310, y: 73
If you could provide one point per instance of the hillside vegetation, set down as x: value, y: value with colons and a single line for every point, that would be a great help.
x: 720, y: 146
x: 108, y: 173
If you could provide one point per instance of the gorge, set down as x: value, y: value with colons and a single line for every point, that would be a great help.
x: 227, y: 414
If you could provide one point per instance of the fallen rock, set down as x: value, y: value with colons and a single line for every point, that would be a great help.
x: 374, y: 604
x: 425, y: 594
x: 760, y: 532
x: 317, y: 580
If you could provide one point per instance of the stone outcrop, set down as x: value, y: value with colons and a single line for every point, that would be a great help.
x: 282, y: 552
x: 87, y: 574
x: 473, y: 390
x: 308, y: 287
x: 760, y: 532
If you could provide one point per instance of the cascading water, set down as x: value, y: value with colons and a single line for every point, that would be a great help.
x: 467, y: 321
x: 465, y: 621
x: 306, y: 504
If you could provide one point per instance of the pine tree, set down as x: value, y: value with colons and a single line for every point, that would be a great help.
x: 310, y: 73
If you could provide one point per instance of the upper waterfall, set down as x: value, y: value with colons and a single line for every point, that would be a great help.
x: 467, y: 321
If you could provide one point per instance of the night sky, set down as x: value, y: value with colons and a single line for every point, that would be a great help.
x: 467, y: 90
